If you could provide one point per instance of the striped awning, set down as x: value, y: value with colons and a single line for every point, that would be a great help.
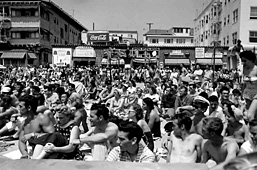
x: 205, y: 61
x: 13, y: 55
x: 145, y: 60
x: 27, y: 29
x: 32, y: 56
x: 176, y: 61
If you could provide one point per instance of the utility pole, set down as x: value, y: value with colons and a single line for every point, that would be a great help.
x: 149, y: 25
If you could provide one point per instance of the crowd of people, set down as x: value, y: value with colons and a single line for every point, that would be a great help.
x: 209, y: 116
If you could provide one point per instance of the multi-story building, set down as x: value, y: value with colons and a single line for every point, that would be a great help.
x: 32, y: 27
x: 176, y: 36
x: 223, y: 22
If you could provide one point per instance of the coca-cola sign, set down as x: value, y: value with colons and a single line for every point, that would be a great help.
x: 98, y: 37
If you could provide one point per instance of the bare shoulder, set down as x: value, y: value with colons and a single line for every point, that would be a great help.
x: 111, y: 126
x: 196, y: 137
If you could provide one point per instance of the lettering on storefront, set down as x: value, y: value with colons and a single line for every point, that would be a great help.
x: 98, y: 37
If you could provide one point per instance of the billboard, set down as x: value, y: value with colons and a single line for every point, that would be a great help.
x: 98, y: 37
x: 62, y: 56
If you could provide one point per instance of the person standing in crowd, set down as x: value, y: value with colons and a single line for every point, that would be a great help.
x: 248, y: 59
x: 168, y: 102
x: 130, y: 149
x: 102, y: 134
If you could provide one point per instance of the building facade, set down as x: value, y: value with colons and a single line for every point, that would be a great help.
x: 34, y: 26
x: 176, y: 36
x: 224, y: 22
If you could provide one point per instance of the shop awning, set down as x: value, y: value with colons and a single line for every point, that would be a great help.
x: 144, y: 60
x: 114, y: 61
x: 177, y: 61
x: 209, y: 61
x: 27, y: 29
x: 13, y: 55
x: 32, y: 56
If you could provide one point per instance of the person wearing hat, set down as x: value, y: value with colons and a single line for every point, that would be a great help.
x: 200, y: 105
x: 183, y: 99
x: 7, y: 91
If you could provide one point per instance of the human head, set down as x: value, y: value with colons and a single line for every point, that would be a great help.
x: 212, y: 127
x: 253, y: 130
x: 63, y: 115
x: 214, y: 102
x: 224, y: 91
x: 98, y: 114
x: 200, y: 104
x: 64, y: 97
x: 27, y: 104
x: 182, y: 123
x: 248, y: 58
x: 148, y: 104
x: 183, y: 91
x: 129, y: 135
x: 137, y: 111
x: 48, y: 90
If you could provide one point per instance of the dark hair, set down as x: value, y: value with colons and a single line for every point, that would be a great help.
x: 49, y: 88
x: 249, y: 55
x: 36, y: 88
x: 229, y: 104
x: 204, y: 94
x: 184, y: 87
x: 149, y: 103
x: 72, y: 85
x: 213, y: 98
x: 101, y: 110
x: 133, y: 83
x: 253, y: 122
x: 132, y: 128
x: 30, y: 101
x: 213, y: 124
x: 139, y: 111
x: 224, y: 88
x: 153, y: 89
x: 236, y: 91
x: 186, y: 121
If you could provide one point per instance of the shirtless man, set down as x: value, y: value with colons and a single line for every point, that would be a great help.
x: 183, y: 146
x: 235, y: 128
x: 34, y: 125
x: 217, y: 148
x: 103, y: 134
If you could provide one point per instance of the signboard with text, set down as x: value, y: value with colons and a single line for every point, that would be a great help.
x: 210, y: 55
x: 199, y: 52
x: 84, y: 52
x: 98, y: 37
x: 62, y: 56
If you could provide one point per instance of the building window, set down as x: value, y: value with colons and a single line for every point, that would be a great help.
x: 192, y: 41
x: 154, y: 41
x: 235, y: 16
x: 66, y: 27
x: 45, y: 15
x: 234, y: 38
x: 253, y: 13
x: 168, y: 41
x: 227, y: 40
x: 253, y: 36
x: 225, y: 20
x: 61, y: 33
x: 228, y: 19
x: 224, y: 41
x: 181, y: 41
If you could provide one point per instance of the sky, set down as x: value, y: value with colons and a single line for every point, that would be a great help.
x: 133, y: 15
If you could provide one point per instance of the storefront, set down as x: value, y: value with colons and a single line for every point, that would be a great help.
x: 175, y: 58
x: 205, y: 57
x: 18, y: 57
x: 62, y: 57
x: 84, y: 56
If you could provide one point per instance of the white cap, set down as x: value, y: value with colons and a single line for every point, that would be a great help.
x: 201, y: 99
x: 6, y: 89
